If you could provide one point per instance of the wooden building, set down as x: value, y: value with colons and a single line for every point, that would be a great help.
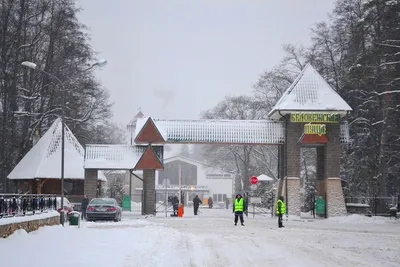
x: 39, y: 171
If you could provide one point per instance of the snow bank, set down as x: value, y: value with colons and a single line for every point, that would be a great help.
x: 20, y: 233
x: 117, y: 245
x: 357, y: 219
x: 19, y: 219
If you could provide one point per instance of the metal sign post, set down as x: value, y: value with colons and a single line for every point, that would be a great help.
x: 254, y: 201
x: 180, y: 185
x: 166, y: 197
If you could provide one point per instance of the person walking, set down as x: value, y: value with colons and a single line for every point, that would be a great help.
x: 175, y: 204
x: 280, y: 210
x: 196, y: 204
x: 227, y: 203
x: 239, y: 208
x: 210, y: 203
x: 84, y: 206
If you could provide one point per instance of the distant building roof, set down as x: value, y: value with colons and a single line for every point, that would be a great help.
x: 131, y: 127
x: 309, y: 92
x: 137, y: 116
x: 44, y: 159
x: 194, y: 162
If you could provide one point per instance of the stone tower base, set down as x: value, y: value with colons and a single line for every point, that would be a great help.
x: 294, y: 200
x: 334, y: 198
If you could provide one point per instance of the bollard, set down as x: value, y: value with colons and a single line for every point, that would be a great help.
x: 180, y: 211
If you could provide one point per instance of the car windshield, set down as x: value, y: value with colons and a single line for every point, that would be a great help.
x: 100, y: 201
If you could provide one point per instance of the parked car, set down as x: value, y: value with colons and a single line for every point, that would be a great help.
x: 68, y: 207
x: 103, y: 209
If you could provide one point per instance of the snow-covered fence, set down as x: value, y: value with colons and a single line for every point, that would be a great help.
x: 26, y: 204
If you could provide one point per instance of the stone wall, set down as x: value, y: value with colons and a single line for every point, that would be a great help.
x: 29, y: 226
x: 334, y: 198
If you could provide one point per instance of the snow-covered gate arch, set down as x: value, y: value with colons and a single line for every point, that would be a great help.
x: 308, y: 93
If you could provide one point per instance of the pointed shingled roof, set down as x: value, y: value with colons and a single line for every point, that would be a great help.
x: 309, y: 92
x: 149, y: 132
x: 44, y: 158
x: 149, y: 161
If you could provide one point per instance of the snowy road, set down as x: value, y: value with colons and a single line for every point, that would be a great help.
x: 209, y: 240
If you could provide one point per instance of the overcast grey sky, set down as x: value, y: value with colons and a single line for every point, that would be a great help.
x: 175, y: 58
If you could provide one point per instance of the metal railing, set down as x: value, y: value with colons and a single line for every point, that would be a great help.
x: 27, y: 204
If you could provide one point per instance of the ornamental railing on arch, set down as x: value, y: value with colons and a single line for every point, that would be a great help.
x: 252, y: 132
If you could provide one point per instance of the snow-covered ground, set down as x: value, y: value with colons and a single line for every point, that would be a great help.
x: 209, y: 239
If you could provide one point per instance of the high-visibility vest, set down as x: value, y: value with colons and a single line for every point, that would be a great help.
x: 239, y: 204
x: 283, y: 207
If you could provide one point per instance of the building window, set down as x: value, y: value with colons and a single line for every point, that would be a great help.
x: 218, y: 176
x: 219, y: 197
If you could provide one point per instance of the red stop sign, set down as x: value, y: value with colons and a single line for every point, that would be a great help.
x: 253, y: 180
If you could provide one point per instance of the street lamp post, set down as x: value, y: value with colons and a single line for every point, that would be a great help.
x: 32, y: 65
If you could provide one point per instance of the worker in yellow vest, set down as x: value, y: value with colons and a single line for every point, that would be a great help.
x: 280, y: 210
x: 239, y: 207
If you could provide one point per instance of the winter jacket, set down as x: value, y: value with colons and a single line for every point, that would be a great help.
x: 280, y: 207
x: 84, y: 204
x: 197, y: 201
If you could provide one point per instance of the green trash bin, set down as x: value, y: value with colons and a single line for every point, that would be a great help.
x: 74, y: 218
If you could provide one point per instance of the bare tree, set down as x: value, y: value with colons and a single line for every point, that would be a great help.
x: 49, y: 34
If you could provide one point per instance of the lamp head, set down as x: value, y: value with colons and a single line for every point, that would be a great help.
x: 29, y: 64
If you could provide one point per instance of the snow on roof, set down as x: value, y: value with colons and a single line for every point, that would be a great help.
x: 309, y: 92
x: 112, y: 157
x: 264, y: 177
x: 184, y: 159
x: 218, y: 131
x: 44, y: 159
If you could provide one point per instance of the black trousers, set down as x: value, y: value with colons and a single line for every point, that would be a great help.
x: 239, y: 214
x: 280, y: 220
x: 196, y: 209
x: 83, y: 214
